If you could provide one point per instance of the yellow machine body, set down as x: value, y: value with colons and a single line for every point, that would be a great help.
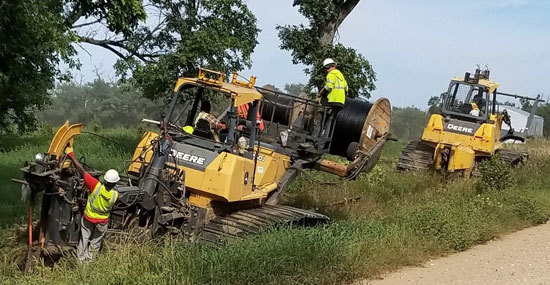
x: 221, y: 180
x: 458, y: 143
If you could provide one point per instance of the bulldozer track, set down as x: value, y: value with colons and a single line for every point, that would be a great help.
x: 416, y: 156
x: 514, y: 158
x: 243, y: 223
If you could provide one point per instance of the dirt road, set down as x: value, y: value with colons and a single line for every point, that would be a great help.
x: 519, y: 258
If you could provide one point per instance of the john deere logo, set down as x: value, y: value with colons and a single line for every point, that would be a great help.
x: 460, y: 129
x: 188, y: 157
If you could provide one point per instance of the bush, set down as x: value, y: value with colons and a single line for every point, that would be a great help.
x: 495, y: 174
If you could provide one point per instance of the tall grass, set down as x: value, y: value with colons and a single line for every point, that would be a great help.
x: 399, y: 219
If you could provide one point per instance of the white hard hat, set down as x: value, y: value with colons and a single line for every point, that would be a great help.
x: 111, y: 176
x: 328, y: 61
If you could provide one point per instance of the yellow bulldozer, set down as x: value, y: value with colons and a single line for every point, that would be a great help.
x: 467, y: 130
x: 185, y: 182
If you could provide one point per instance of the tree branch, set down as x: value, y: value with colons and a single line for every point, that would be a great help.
x: 332, y: 26
x: 111, y: 44
x: 86, y: 24
x: 107, y: 44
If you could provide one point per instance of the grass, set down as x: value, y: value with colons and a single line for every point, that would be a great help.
x: 399, y: 219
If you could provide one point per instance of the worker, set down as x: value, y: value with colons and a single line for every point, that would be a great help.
x: 214, y: 124
x: 475, y: 110
x: 242, y: 112
x: 333, y: 94
x: 101, y: 199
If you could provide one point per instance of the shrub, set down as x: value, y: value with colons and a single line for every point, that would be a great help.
x: 495, y: 174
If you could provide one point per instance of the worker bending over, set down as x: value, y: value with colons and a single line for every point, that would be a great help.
x: 101, y: 199
x: 333, y: 94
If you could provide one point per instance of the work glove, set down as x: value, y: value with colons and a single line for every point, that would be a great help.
x: 69, y: 151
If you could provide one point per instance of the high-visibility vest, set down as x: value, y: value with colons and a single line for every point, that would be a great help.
x: 337, y: 86
x: 242, y: 112
x: 100, y: 202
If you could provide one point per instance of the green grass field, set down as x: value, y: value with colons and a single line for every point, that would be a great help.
x: 399, y: 219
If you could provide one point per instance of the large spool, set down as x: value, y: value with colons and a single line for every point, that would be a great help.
x: 276, y: 106
x: 362, y: 122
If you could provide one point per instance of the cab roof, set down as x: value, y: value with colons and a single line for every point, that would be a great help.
x: 241, y: 92
x: 491, y: 85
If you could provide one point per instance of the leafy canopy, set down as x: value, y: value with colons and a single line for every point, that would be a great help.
x: 216, y: 34
x: 311, y: 44
x: 36, y: 36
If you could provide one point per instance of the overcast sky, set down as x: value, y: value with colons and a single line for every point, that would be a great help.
x: 415, y: 47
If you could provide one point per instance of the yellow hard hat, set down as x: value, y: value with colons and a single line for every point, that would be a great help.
x: 188, y: 129
x: 474, y: 105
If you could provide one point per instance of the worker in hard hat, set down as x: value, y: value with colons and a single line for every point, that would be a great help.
x: 475, y: 110
x: 333, y: 94
x: 101, y: 199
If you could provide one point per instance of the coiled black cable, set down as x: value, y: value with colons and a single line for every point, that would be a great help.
x: 277, y: 105
x: 349, y: 124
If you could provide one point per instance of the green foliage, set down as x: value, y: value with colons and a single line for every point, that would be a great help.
x: 311, y: 44
x: 408, y: 123
x: 33, y: 42
x: 37, y: 37
x: 434, y: 104
x: 294, y: 88
x: 99, y: 103
x: 495, y: 174
x: 216, y: 34
x: 121, y: 16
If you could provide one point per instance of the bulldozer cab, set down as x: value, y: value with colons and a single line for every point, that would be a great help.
x: 470, y: 98
x: 187, y: 104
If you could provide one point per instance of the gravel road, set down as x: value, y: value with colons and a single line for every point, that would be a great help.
x: 522, y: 257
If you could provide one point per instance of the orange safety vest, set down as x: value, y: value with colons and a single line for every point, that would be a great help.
x: 242, y: 112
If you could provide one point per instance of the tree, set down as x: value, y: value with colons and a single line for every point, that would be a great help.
x: 294, y: 88
x: 311, y: 44
x: 178, y: 38
x: 36, y: 36
x: 408, y: 123
x: 101, y: 103
x: 434, y: 104
x: 188, y: 34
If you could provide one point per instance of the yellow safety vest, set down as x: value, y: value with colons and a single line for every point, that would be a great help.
x: 337, y: 87
x: 100, y: 202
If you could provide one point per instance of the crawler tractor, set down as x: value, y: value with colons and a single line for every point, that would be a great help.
x: 187, y: 183
x: 457, y: 139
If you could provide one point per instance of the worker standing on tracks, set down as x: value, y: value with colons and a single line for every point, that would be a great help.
x: 101, y: 199
x: 333, y: 94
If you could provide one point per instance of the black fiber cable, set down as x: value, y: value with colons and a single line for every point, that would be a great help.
x: 349, y: 124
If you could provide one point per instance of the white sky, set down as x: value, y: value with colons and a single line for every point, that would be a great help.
x: 415, y: 47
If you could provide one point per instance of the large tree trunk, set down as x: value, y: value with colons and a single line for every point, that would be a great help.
x: 332, y: 27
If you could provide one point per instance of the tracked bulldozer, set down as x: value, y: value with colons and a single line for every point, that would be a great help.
x: 467, y: 130
x: 187, y: 183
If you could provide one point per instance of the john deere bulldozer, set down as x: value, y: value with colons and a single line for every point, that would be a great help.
x: 182, y: 181
x: 457, y: 138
